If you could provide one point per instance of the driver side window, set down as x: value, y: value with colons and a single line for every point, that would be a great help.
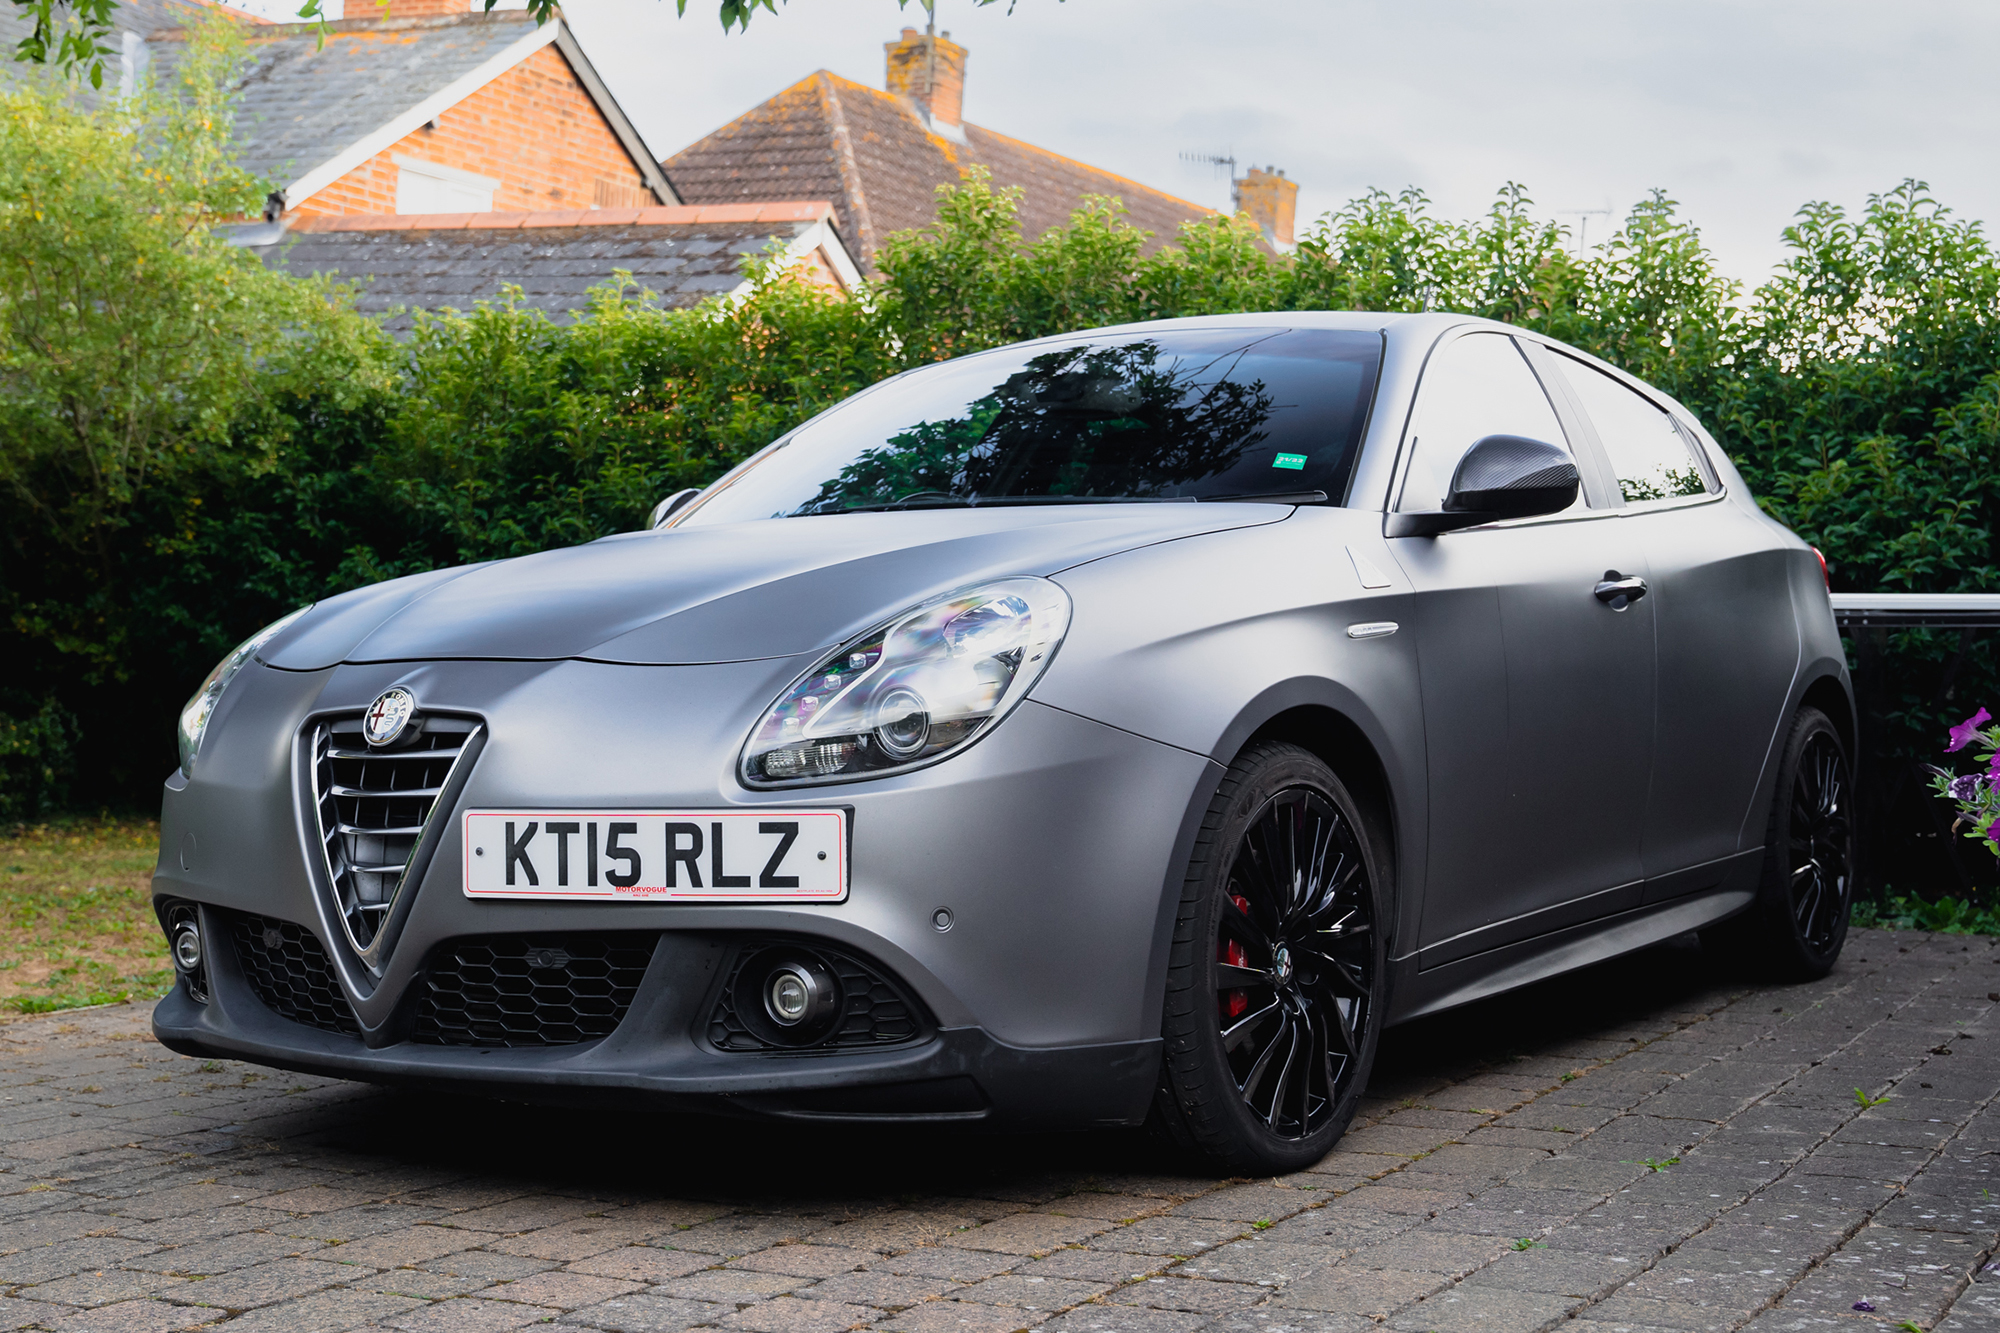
x: 1476, y: 386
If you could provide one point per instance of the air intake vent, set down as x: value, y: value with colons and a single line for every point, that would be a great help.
x: 290, y: 973
x: 373, y: 806
x: 530, y: 990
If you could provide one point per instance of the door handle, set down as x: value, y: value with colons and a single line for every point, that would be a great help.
x: 1617, y: 591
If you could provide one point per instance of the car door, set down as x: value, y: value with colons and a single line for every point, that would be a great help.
x: 1538, y: 696
x: 1728, y: 643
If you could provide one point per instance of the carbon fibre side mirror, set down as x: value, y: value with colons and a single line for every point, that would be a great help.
x: 1500, y: 477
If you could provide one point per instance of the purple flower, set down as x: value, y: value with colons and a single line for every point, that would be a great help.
x: 1967, y: 731
x: 1864, y: 1307
x: 1965, y: 788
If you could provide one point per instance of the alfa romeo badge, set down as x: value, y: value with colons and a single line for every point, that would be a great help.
x: 388, y: 715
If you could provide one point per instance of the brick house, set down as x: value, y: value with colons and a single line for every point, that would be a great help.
x: 423, y: 107
x: 879, y: 155
x: 435, y: 155
x: 431, y: 109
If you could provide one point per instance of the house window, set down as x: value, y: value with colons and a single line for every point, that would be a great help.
x: 426, y: 187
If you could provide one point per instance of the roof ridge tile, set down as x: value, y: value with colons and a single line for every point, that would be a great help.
x: 679, y: 215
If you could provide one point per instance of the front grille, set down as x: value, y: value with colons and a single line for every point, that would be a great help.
x: 373, y: 806
x: 530, y: 990
x: 875, y: 1010
x: 291, y: 973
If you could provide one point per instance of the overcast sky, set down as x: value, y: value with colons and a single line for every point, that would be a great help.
x: 1742, y: 111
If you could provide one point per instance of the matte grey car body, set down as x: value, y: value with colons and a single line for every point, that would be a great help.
x: 1558, y: 779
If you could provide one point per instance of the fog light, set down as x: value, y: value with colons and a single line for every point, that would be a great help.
x: 184, y: 944
x: 789, y: 997
x: 187, y: 947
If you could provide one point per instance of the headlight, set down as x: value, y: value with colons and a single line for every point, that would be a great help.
x: 932, y: 680
x: 194, y: 717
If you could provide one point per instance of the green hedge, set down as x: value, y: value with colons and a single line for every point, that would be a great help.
x: 190, y: 446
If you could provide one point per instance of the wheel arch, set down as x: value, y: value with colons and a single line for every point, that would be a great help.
x: 1830, y: 696
x: 1331, y: 722
x: 1345, y: 748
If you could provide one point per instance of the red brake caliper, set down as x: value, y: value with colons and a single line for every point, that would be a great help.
x: 1234, y: 1002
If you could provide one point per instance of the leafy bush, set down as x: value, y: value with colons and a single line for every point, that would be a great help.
x: 139, y: 354
x: 37, y: 761
x: 1947, y: 916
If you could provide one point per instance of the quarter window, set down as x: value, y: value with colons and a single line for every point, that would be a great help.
x: 1648, y: 454
x: 1475, y: 386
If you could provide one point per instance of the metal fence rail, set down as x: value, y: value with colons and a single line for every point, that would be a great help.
x: 1908, y: 610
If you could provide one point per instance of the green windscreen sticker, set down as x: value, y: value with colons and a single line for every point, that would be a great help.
x: 1296, y: 462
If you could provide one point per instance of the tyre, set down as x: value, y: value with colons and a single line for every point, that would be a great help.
x: 1795, y: 928
x: 1276, y: 986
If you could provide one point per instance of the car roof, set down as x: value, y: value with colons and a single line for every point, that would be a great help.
x: 1418, y: 327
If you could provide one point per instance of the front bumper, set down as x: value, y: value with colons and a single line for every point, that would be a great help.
x: 1053, y: 842
x: 655, y: 1059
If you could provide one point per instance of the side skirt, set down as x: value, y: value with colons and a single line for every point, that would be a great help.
x: 1419, y: 994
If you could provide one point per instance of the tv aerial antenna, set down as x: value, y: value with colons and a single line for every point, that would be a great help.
x: 1583, y: 217
x: 1220, y: 163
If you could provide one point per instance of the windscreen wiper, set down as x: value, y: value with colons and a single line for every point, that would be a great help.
x: 1269, y: 497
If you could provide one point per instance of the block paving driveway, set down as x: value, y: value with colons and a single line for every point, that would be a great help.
x: 1646, y: 1146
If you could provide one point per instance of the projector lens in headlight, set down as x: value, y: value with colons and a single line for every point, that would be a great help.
x: 929, y: 681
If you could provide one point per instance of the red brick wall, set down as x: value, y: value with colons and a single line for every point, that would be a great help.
x: 534, y: 129
x: 1270, y: 200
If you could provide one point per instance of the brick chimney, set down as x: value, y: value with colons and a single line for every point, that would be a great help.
x: 1271, y: 201
x: 410, y: 9
x: 929, y: 69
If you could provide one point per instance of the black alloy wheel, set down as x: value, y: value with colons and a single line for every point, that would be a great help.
x: 1277, y: 983
x: 1795, y: 928
x: 1819, y: 845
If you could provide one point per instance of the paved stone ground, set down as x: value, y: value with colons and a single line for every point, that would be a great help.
x: 1645, y: 1147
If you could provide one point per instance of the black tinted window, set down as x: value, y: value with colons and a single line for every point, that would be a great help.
x: 1180, y: 414
x: 1651, y: 460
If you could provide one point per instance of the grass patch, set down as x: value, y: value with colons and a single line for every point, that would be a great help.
x: 1947, y: 916
x: 76, y: 915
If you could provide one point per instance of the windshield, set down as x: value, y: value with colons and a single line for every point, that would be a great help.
x: 1183, y: 414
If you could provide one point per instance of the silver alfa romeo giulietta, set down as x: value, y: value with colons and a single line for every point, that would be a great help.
x: 1123, y: 727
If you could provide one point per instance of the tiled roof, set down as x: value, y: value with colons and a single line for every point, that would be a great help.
x: 299, y: 105
x: 431, y: 262
x: 871, y: 152
x: 144, y: 17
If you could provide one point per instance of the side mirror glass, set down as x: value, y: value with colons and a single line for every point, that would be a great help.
x: 1500, y: 477
x: 666, y: 508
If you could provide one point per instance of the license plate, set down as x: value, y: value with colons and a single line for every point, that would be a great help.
x: 697, y: 856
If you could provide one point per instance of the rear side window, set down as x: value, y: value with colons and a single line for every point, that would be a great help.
x: 1475, y: 386
x: 1648, y: 454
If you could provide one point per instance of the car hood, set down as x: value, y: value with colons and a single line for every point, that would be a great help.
x: 726, y: 593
